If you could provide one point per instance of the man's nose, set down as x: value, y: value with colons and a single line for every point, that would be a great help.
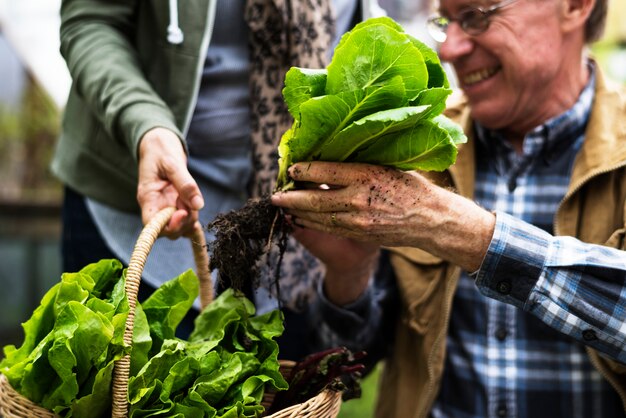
x: 457, y: 43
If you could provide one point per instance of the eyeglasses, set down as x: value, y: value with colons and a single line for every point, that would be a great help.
x: 473, y: 20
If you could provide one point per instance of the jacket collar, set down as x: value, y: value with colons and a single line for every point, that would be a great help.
x: 604, y: 147
x: 465, y: 162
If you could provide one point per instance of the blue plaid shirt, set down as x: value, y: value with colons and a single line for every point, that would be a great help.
x: 525, y: 357
x: 531, y: 362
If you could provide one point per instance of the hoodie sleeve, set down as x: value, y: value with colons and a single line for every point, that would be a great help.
x: 96, y: 42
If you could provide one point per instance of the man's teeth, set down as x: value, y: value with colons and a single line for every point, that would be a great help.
x: 477, y: 76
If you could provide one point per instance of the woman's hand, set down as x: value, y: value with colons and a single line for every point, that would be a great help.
x: 165, y: 181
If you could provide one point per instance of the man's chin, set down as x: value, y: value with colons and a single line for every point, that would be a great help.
x: 487, y: 112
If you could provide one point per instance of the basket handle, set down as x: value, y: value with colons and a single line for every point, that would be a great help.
x: 146, y: 240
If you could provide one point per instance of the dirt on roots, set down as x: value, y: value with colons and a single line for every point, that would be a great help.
x: 242, y: 238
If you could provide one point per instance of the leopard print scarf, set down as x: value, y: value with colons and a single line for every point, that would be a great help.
x: 283, y: 33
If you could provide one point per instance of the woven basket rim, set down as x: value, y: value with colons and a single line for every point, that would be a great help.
x: 325, y: 404
x: 12, y: 404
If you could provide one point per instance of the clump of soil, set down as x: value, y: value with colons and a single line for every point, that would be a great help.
x: 243, y: 239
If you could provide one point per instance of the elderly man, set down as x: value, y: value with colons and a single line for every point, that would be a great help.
x: 510, y: 268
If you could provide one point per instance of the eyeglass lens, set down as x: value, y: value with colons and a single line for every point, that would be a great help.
x: 473, y: 21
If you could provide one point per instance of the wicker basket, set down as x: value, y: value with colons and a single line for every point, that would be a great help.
x: 13, y: 405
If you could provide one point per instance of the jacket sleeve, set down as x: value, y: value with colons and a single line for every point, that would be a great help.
x: 96, y: 42
x: 367, y: 324
x: 577, y: 288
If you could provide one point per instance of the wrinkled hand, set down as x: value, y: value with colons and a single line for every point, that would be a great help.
x: 365, y: 202
x: 165, y: 181
x: 391, y: 208
x: 349, y: 264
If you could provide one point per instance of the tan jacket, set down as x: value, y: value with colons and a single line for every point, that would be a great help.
x: 594, y: 210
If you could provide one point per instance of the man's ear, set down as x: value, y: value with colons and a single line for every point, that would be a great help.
x: 574, y: 13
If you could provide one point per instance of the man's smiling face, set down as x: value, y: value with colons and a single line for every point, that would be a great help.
x: 511, y: 72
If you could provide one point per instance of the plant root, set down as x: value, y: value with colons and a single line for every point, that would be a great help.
x: 243, y: 238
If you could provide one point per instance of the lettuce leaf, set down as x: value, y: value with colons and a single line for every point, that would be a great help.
x: 71, y: 341
x: 408, y: 150
x: 372, y: 54
x: 75, y: 336
x: 377, y: 101
x: 224, y: 368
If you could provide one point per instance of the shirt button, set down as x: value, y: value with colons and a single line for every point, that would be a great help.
x: 501, y: 334
x: 589, y: 335
x: 504, y: 287
x: 501, y: 411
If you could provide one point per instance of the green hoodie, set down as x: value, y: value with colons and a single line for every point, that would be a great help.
x: 127, y: 79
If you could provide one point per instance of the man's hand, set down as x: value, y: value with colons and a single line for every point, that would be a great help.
x: 349, y: 264
x: 165, y: 181
x: 389, y: 207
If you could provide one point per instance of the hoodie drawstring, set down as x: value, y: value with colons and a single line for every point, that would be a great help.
x: 174, y: 33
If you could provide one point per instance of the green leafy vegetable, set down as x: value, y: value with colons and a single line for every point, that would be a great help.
x: 222, y: 370
x: 71, y: 342
x: 378, y: 101
x: 73, y: 338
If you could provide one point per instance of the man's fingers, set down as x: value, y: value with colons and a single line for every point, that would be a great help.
x: 313, y: 200
x: 321, y: 172
x: 324, y: 219
x: 314, y: 225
